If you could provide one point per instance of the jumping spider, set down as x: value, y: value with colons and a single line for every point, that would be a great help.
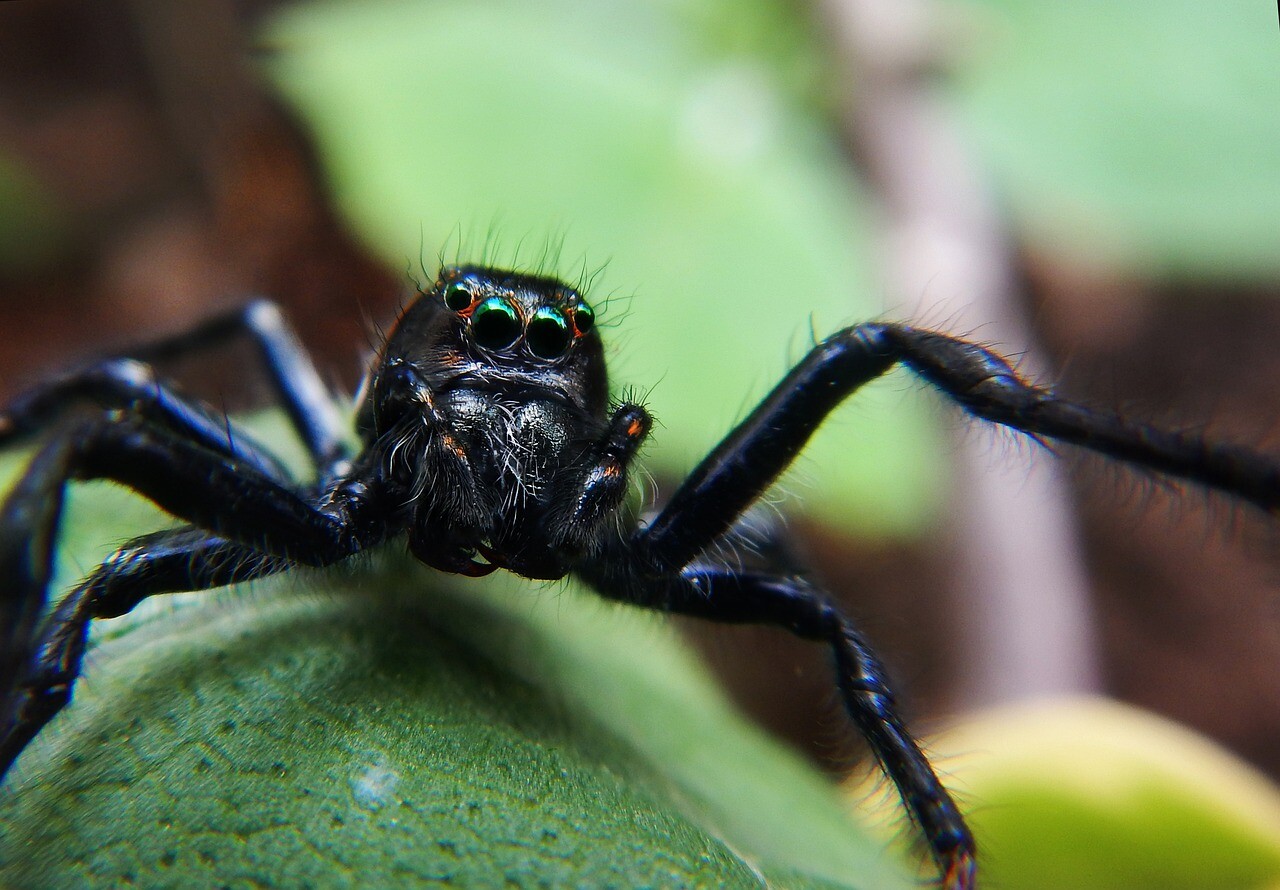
x: 487, y: 439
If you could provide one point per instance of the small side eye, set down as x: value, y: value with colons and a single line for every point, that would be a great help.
x: 583, y: 318
x: 494, y: 324
x: 548, y: 333
x: 456, y: 296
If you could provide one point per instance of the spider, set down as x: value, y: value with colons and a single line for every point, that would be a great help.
x: 488, y: 439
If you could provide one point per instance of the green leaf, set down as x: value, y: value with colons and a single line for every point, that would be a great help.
x: 376, y: 725
x: 1143, y: 135
x: 1092, y: 794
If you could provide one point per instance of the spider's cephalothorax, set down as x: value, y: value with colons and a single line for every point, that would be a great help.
x: 487, y: 439
x: 489, y: 410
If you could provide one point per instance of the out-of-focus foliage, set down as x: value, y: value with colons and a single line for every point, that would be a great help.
x: 646, y: 136
x: 1090, y: 794
x: 1143, y: 135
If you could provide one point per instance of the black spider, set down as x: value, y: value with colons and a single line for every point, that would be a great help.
x: 487, y: 437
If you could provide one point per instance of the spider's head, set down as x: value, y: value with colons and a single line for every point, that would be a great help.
x: 489, y: 329
x: 488, y: 408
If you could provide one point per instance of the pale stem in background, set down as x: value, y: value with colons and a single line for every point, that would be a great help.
x: 1026, y: 629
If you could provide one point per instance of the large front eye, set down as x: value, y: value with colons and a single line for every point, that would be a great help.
x: 494, y: 324
x: 548, y: 334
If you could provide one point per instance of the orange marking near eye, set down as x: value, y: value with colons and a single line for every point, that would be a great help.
x: 636, y: 428
x: 611, y: 471
x: 451, y: 443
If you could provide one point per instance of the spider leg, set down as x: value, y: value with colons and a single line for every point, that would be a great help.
x: 122, y: 383
x: 731, y: 596
x: 128, y: 384
x: 228, y: 497
x: 181, y: 559
x: 706, y: 507
x: 236, y: 502
x: 790, y: 602
x: 749, y: 459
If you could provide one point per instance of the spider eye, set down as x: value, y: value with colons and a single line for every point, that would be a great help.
x: 583, y: 318
x: 494, y: 324
x: 548, y: 333
x: 456, y: 296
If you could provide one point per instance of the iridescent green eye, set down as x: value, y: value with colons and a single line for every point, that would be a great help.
x: 583, y: 318
x: 456, y: 296
x: 494, y: 324
x: 548, y: 333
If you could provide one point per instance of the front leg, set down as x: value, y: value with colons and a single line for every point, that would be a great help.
x: 751, y: 457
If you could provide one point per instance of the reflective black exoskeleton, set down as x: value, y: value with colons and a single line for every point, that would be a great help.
x: 486, y: 437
